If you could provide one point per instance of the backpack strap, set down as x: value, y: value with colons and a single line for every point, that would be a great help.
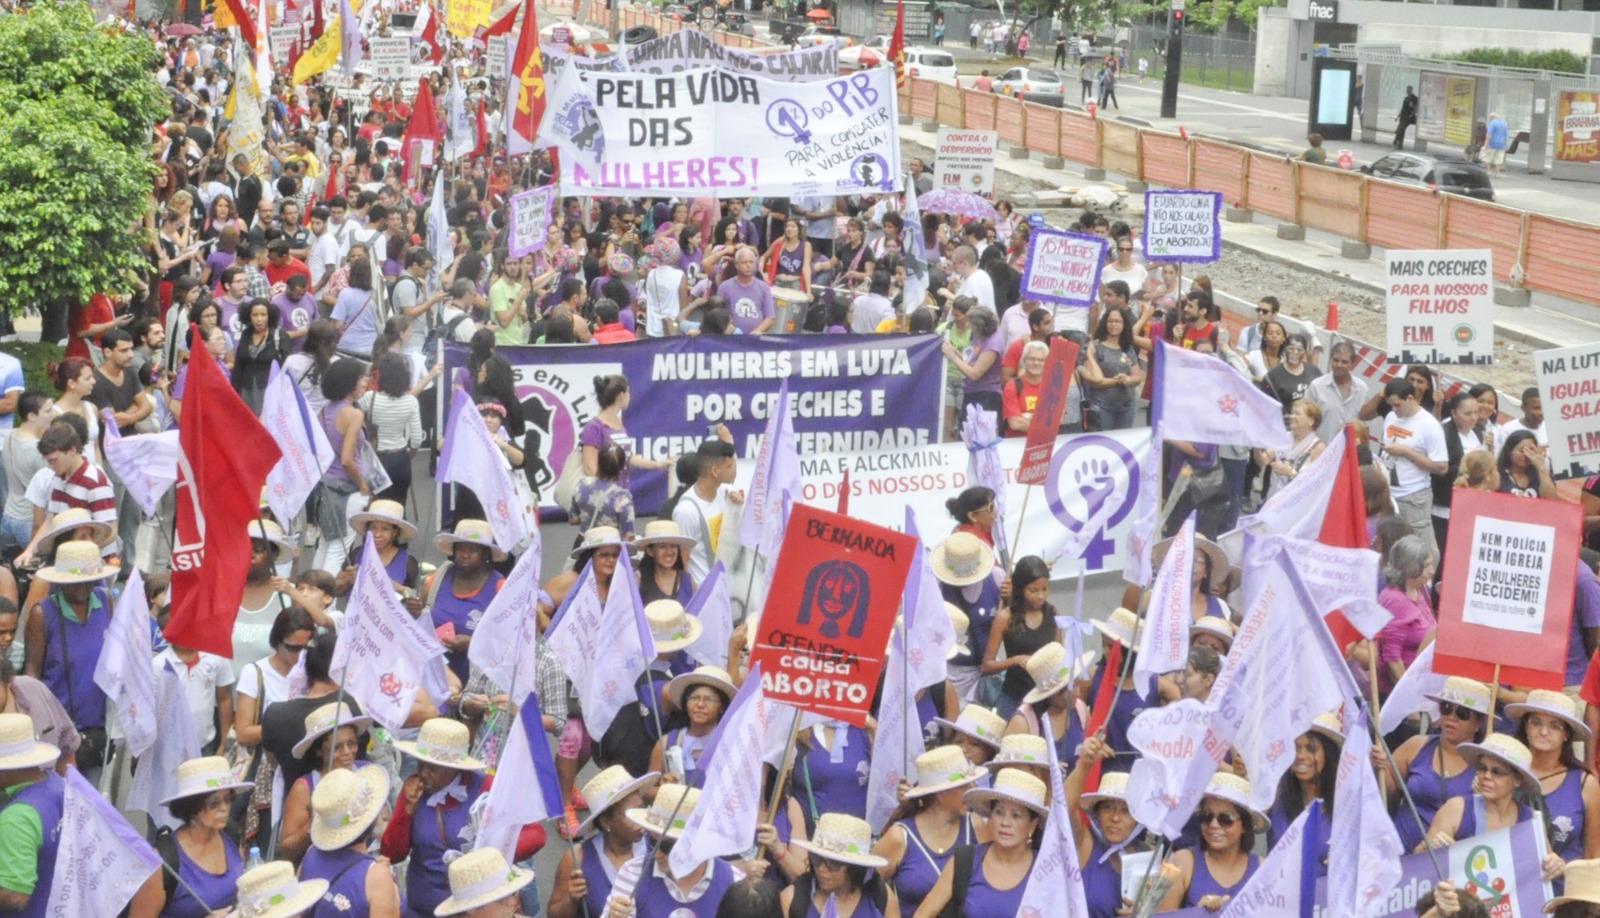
x: 435, y: 585
x: 960, y: 879
x: 801, y: 903
x: 166, y: 845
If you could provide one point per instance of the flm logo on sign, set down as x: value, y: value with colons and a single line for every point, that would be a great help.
x: 1437, y: 303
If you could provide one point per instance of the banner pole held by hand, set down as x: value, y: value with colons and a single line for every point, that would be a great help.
x: 783, y: 773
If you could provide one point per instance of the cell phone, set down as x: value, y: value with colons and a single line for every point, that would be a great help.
x: 711, y: 430
x: 672, y: 761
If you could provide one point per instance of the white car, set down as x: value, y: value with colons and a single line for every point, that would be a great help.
x: 1024, y: 81
x: 931, y: 64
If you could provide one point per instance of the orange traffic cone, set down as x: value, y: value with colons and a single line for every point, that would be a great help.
x: 1332, y: 323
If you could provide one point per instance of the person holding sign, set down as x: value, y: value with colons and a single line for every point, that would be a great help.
x: 1433, y: 767
x: 1209, y: 874
x: 1503, y: 767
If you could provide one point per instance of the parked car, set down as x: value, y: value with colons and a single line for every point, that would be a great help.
x: 931, y: 64
x: 1026, y: 81
x: 1451, y: 173
x: 817, y: 34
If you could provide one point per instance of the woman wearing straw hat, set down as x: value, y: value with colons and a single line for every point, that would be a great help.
x: 483, y: 885
x: 294, y: 830
x: 1502, y: 766
x: 924, y: 832
x: 1548, y: 724
x: 1581, y: 896
x: 832, y: 761
x: 74, y: 524
x: 391, y: 532
x: 977, y: 731
x: 345, y: 810
x: 963, y: 564
x: 615, y: 841
x: 1208, y: 875
x: 1310, y: 777
x: 1115, y: 832
x: 843, y: 868
x: 205, y: 858
x: 633, y: 734
x: 433, y: 812
x: 987, y: 881
x: 1215, y: 633
x: 1020, y: 628
x: 649, y: 890
x: 65, y: 632
x: 663, y: 571
x: 1022, y: 751
x: 1432, y: 766
x: 699, y: 699
x: 458, y: 592
x: 1052, y: 695
x: 271, y: 891
x: 1123, y: 627
x: 1209, y: 579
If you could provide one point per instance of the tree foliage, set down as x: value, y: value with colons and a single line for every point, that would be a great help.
x: 1557, y: 59
x: 76, y: 105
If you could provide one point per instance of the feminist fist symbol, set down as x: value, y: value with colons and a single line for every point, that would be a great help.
x: 1095, y: 483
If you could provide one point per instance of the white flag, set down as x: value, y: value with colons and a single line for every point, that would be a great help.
x: 350, y: 46
x: 777, y: 471
x: 1285, y: 882
x: 505, y: 643
x: 928, y: 632
x: 1298, y: 508
x: 1340, y: 580
x: 1146, y: 512
x: 307, y: 454
x: 383, y: 655
x: 1180, y: 753
x: 570, y: 124
x: 123, y: 670
x: 1164, y: 643
x: 1055, y: 884
x: 439, y: 244
x: 471, y: 459
x: 1200, y: 398
x: 1411, y: 692
x: 714, y: 608
x: 898, y: 740
x: 1364, y: 849
x: 146, y: 464
x: 176, y: 742
x: 102, y: 861
x: 525, y: 788
x: 726, y: 825
x: 461, y: 127
x: 603, y: 647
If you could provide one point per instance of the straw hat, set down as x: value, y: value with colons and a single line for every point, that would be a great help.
x: 1235, y: 790
x: 943, y: 768
x: 77, y: 562
x: 268, y: 531
x: 669, y: 797
x: 1556, y: 704
x: 383, y: 511
x: 1505, y: 748
x: 844, y: 839
x: 1582, y: 881
x: 1331, y: 725
x: 345, y: 803
x: 1023, y: 749
x: 1463, y: 692
x: 1014, y: 785
x: 319, y: 723
x: 479, y: 878
x: 1217, y: 627
x: 71, y: 519
x: 598, y: 537
x: 713, y: 676
x: 1113, y: 786
x: 961, y: 560
x: 663, y: 532
x: 468, y: 532
x: 271, y: 891
x: 1122, y: 626
x: 672, y: 628
x: 442, y: 741
x: 205, y: 775
x: 959, y: 622
x: 606, y: 788
x: 19, y: 749
x: 1052, y: 671
x: 1203, y: 546
x: 978, y: 722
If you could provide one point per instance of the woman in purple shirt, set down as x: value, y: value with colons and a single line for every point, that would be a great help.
x: 1407, y: 570
x: 1548, y: 724
x: 997, y: 870
x: 1210, y: 874
x: 979, y: 362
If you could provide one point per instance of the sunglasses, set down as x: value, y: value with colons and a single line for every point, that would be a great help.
x: 294, y: 648
x: 1225, y: 820
x: 1460, y: 711
x: 1493, y: 771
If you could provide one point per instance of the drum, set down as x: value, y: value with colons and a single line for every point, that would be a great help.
x: 791, y: 306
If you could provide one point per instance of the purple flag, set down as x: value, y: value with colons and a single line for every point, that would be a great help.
x: 898, y: 740
x: 146, y: 464
x: 979, y: 431
x: 471, y: 459
x: 1164, y: 643
x: 603, y: 646
x: 1364, y: 849
x: 777, y: 471
x: 1411, y: 692
x: 506, y: 639
x: 1285, y: 882
x: 928, y: 632
x: 525, y: 765
x: 714, y: 608
x: 1055, y: 884
x: 726, y: 825
x: 307, y: 454
x: 384, y: 656
x: 1204, y: 400
x: 1146, y: 511
x: 103, y: 860
x: 123, y: 669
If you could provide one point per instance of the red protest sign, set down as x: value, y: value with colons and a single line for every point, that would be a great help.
x: 1506, y: 595
x: 1060, y: 369
x: 827, y: 620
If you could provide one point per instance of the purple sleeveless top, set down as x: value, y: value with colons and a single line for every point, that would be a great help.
x: 346, y: 873
x: 1068, y: 742
x: 427, y: 879
x: 834, y: 787
x: 396, y: 569
x: 83, y: 699
x: 1565, y: 805
x: 1469, y: 827
x: 651, y: 899
x: 865, y: 908
x: 980, y: 617
x: 463, y: 612
x: 329, y: 412
x: 594, y: 874
x: 1202, y: 884
x: 1279, y: 820
x: 920, y: 868
x: 1429, y: 790
x: 926, y: 712
x: 46, y: 798
x: 1102, y: 883
x: 792, y: 262
x: 218, y: 890
x: 983, y: 900
x: 1213, y: 608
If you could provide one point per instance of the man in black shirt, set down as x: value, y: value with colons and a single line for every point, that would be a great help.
x: 116, y: 386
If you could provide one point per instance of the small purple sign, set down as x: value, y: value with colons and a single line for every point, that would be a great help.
x: 1063, y: 267
x: 530, y: 220
x: 1183, y: 226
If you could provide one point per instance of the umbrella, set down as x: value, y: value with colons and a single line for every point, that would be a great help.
x: 180, y: 29
x: 958, y: 202
x: 819, y: 13
x: 871, y: 58
x: 579, y: 34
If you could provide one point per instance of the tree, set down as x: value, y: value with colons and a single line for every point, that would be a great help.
x: 77, y: 102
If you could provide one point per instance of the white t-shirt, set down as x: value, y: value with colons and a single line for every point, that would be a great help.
x: 200, y: 684
x: 870, y: 311
x: 1420, y: 432
x: 701, y: 519
x: 1134, y: 277
x: 978, y: 286
x: 661, y: 298
x: 251, y: 630
x: 324, y: 255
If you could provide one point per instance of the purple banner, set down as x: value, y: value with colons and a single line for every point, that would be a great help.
x: 1063, y: 267
x: 847, y: 394
x: 1183, y: 226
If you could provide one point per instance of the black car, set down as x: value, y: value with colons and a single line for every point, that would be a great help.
x: 1448, y: 172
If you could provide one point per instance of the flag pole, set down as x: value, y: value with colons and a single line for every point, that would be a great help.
x: 1494, y: 695
x: 1427, y: 843
x: 190, y: 889
x: 1022, y: 514
x: 1372, y: 679
x: 783, y: 772
x: 1143, y: 889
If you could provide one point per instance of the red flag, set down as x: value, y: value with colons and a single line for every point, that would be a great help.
x: 422, y: 128
x: 244, y: 18
x: 504, y: 24
x: 430, y: 34
x: 897, y: 46
x: 483, y: 132
x: 1100, y: 711
x: 226, y: 457
x: 528, y: 65
x: 1345, y: 523
x: 317, y: 25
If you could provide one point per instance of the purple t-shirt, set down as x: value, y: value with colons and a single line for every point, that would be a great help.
x: 598, y: 435
x: 295, y: 315
x: 751, y: 304
x: 990, y: 380
x: 218, y: 262
x: 228, y: 317
x: 1585, y: 614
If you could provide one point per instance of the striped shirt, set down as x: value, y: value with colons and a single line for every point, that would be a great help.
x: 87, y: 488
x: 398, y: 420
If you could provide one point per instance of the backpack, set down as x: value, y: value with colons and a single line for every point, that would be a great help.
x: 439, y: 333
x: 959, y: 881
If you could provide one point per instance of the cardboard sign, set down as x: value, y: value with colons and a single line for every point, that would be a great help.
x: 530, y: 220
x: 965, y: 159
x: 1569, y: 383
x: 1060, y: 370
x: 1440, y: 305
x: 1506, y: 594
x: 1183, y: 226
x: 822, y: 639
x: 1063, y: 268
x: 391, y: 57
